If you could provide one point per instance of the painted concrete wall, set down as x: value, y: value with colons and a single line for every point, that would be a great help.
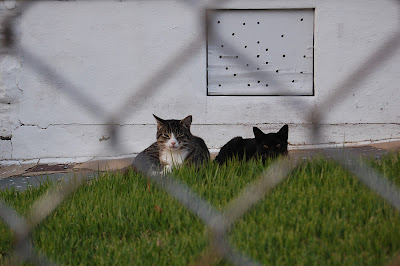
x: 108, y: 50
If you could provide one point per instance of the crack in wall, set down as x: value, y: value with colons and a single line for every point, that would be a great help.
x: 12, y: 149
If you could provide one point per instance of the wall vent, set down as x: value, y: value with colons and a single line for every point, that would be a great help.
x: 260, y: 52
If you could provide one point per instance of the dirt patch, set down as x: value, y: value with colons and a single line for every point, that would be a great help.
x: 50, y: 168
x: 14, y: 170
x: 105, y: 165
x: 390, y: 146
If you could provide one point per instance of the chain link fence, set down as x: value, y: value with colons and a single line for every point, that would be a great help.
x: 218, y: 222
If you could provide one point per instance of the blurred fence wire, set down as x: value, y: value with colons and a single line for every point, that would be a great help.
x: 218, y: 222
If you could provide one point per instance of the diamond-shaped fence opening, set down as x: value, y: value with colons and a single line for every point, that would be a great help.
x: 218, y: 222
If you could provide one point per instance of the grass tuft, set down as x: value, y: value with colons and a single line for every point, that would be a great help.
x: 320, y: 214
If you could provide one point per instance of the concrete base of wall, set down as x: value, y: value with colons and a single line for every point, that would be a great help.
x: 56, y: 143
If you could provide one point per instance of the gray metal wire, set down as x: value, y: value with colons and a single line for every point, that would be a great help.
x: 218, y: 222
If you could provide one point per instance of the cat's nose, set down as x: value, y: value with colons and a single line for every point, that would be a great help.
x: 173, y: 143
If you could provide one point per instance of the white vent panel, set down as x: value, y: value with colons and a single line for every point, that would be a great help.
x: 260, y: 52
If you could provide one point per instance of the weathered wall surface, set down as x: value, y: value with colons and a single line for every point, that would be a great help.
x: 108, y: 50
x: 10, y: 93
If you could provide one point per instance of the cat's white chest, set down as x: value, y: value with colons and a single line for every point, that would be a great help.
x: 173, y: 157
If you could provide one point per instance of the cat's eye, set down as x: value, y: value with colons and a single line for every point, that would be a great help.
x: 265, y: 146
x: 278, y: 145
x: 165, y: 135
x: 181, y: 136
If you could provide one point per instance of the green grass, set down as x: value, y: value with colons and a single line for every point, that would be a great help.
x: 319, y: 215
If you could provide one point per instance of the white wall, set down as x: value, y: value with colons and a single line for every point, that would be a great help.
x: 108, y: 50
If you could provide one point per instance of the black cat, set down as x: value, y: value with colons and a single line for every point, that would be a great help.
x: 263, y: 145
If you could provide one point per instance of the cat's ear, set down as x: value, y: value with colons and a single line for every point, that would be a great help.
x: 187, y: 121
x: 258, y: 133
x: 160, y: 122
x: 284, y: 132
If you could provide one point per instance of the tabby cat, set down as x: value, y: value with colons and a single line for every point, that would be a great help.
x: 263, y: 145
x: 175, y: 145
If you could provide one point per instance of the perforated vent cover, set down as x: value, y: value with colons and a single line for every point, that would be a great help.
x: 260, y: 52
